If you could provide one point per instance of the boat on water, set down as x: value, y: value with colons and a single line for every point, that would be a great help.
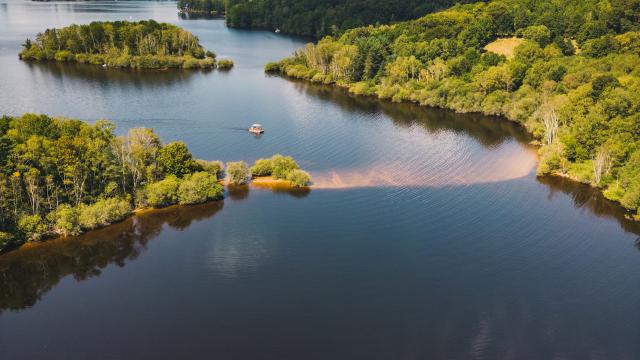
x: 256, y: 129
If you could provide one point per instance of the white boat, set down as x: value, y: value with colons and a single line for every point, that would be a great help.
x: 256, y: 129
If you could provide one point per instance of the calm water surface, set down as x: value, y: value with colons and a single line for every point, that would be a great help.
x: 427, y: 236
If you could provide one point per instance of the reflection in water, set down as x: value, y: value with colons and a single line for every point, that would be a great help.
x: 241, y: 192
x: 587, y: 197
x: 94, y: 74
x: 28, y: 273
x: 488, y: 131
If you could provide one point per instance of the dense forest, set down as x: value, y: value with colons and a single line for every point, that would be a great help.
x: 64, y: 176
x: 143, y: 44
x: 204, y: 7
x: 569, y: 71
x: 325, y: 17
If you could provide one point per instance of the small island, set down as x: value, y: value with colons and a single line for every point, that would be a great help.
x: 121, y: 44
x: 63, y: 177
x: 208, y: 8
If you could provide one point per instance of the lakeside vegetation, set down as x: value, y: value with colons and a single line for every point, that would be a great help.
x: 572, y: 77
x: 202, y: 7
x: 62, y: 176
x: 121, y: 44
x: 318, y: 18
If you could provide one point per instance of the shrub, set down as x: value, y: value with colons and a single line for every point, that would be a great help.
x: 299, y: 178
x: 33, y: 226
x: 211, y: 54
x: 162, y: 193
x: 262, y: 167
x: 225, y: 64
x: 103, y: 213
x: 282, y: 166
x: 272, y: 67
x: 176, y: 159
x: 238, y: 172
x: 538, y: 33
x: 206, y: 63
x: 198, y: 188
x: 190, y: 63
x: 212, y: 167
x: 64, y: 55
x: 66, y: 220
x: 5, y: 239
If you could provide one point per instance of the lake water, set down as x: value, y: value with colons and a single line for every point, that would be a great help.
x: 427, y: 235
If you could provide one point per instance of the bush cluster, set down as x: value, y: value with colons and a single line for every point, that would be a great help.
x: 283, y: 168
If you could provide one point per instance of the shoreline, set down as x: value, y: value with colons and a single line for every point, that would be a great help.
x: 260, y: 182
x: 345, y: 87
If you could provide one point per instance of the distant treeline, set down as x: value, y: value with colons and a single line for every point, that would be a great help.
x: 325, y: 17
x: 204, y: 7
x: 143, y: 44
x: 571, y: 77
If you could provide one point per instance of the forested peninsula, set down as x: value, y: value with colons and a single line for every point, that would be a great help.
x: 62, y: 176
x: 568, y: 71
x: 121, y: 44
x: 318, y: 18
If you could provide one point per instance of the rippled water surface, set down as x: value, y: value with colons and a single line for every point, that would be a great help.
x: 427, y: 234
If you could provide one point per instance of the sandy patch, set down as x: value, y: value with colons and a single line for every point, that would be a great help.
x: 399, y: 175
x: 504, y: 46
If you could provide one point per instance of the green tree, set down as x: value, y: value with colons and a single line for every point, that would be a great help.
x: 238, y: 172
x: 199, y: 188
x: 176, y: 159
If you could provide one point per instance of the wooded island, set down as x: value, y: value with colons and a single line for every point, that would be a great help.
x: 121, y: 44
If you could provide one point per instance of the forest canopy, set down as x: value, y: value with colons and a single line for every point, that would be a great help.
x: 573, y: 79
x: 62, y: 176
x: 204, y: 7
x: 325, y: 17
x: 123, y: 44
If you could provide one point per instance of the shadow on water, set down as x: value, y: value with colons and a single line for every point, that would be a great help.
x: 591, y: 199
x: 490, y: 131
x: 28, y: 273
x: 120, y: 77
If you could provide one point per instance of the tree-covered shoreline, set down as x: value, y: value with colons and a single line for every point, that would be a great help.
x: 317, y: 18
x: 61, y: 177
x: 202, y: 7
x: 121, y: 44
x: 573, y: 81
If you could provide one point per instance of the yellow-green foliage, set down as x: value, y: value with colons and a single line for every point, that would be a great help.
x: 225, y: 64
x: 299, y: 178
x: 122, y: 44
x: 160, y: 194
x: 282, y: 166
x: 262, y: 167
x: 238, y: 172
x: 582, y: 106
x: 198, y: 188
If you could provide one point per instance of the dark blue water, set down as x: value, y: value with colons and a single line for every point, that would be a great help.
x: 427, y: 237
